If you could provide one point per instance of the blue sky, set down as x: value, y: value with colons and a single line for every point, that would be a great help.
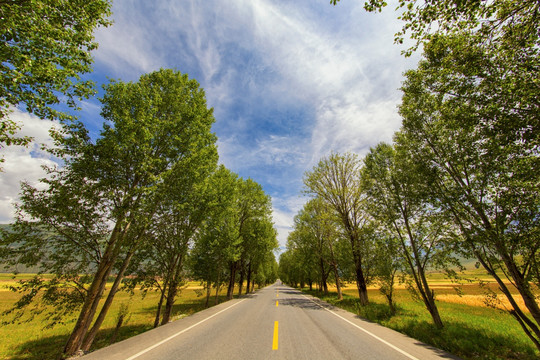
x: 289, y: 81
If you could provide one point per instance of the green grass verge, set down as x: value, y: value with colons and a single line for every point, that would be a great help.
x: 470, y: 332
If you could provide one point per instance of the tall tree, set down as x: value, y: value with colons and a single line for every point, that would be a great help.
x: 398, y: 198
x: 317, y: 231
x: 336, y: 180
x: 217, y: 242
x: 258, y: 242
x: 253, y: 206
x: 470, y: 115
x: 156, y: 127
x: 45, y: 47
x: 306, y: 269
x: 389, y: 263
x: 174, y: 233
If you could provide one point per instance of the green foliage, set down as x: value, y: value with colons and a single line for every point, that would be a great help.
x: 8, y: 129
x: 469, y: 114
x: 217, y: 241
x: 95, y: 210
x: 45, y: 47
x: 312, y: 245
x: 336, y: 180
x: 503, y: 24
x: 237, y: 234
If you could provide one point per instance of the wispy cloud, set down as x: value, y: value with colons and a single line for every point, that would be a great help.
x: 24, y: 163
x: 290, y: 81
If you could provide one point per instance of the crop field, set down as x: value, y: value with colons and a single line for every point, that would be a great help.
x: 32, y: 340
x: 476, y: 326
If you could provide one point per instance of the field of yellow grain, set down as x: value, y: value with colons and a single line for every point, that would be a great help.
x: 486, y: 295
x: 497, y: 301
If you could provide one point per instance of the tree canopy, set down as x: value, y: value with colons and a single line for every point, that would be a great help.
x: 45, y: 49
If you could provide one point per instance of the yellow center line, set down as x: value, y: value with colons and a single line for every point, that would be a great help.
x: 277, y: 303
x: 275, y: 341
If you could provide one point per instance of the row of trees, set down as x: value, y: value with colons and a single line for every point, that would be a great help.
x: 145, y: 199
x: 460, y: 179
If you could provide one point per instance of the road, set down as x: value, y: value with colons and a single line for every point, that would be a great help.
x: 277, y: 322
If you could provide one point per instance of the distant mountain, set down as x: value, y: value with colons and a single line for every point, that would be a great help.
x: 19, y: 268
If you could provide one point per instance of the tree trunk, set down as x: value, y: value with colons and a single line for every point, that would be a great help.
x: 94, y: 294
x: 391, y: 303
x: 522, y: 285
x: 361, y: 284
x: 217, y: 288
x: 338, y: 284
x: 248, y: 278
x: 360, y: 279
x: 173, y: 290
x: 241, y: 281
x: 171, y: 295
x: 89, y: 339
x: 160, y: 303
x: 528, y: 326
x: 164, y: 290
x: 208, y: 285
x: 324, y: 276
x: 336, y: 273
x: 434, y: 311
x: 427, y: 294
x: 117, y: 329
x: 232, y: 274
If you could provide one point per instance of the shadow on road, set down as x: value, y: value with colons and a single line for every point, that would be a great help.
x: 51, y: 347
x: 300, y: 303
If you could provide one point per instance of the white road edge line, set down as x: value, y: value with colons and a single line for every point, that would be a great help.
x: 364, y: 330
x: 180, y: 332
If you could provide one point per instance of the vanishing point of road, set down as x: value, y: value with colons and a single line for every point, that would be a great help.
x: 276, y: 322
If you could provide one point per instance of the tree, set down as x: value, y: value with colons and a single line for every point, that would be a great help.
x: 398, y: 199
x: 267, y: 272
x: 258, y: 242
x: 501, y: 24
x: 336, y: 180
x: 306, y: 268
x: 44, y: 49
x: 160, y: 262
x: 469, y: 115
x: 216, y: 243
x: 389, y: 262
x: 253, y: 207
x: 316, y: 230
x: 158, y: 132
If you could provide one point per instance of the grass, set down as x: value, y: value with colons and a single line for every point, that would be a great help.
x: 472, y: 330
x: 30, y: 340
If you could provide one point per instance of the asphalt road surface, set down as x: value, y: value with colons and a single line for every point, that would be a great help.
x: 277, y: 322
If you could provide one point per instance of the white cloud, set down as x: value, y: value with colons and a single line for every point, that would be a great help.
x: 24, y: 163
x: 255, y: 57
x: 126, y: 47
x: 284, y: 210
x: 350, y: 78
